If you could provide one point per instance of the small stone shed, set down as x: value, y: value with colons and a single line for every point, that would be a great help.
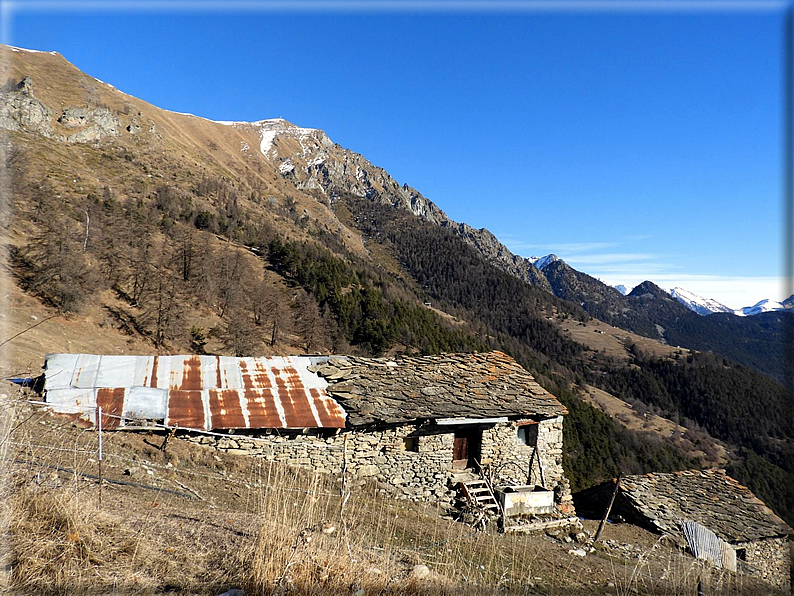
x: 659, y: 502
x: 411, y: 423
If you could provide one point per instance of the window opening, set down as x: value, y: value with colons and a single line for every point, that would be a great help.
x: 528, y: 435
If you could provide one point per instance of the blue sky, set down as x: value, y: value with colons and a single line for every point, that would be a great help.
x: 635, y: 144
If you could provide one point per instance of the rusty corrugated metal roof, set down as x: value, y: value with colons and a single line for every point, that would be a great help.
x: 200, y: 392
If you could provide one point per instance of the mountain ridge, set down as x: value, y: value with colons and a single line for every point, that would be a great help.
x: 198, y: 241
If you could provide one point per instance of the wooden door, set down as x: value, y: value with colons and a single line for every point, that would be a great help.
x: 460, y: 451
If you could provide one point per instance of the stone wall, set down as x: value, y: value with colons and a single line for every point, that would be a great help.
x: 414, y: 459
x: 510, y: 459
x: 769, y: 559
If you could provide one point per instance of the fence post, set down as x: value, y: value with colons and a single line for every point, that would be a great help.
x: 344, y: 466
x: 99, y: 459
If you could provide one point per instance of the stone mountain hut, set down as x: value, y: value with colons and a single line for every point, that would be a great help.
x: 758, y: 539
x: 411, y: 423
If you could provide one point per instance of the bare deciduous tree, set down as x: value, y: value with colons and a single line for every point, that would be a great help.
x: 240, y: 334
x: 162, y: 303
x: 54, y: 264
x: 309, y: 322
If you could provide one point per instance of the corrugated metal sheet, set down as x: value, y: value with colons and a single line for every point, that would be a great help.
x: 706, y: 545
x: 201, y: 392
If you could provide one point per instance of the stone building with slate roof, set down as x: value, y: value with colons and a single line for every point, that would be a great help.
x: 410, y: 423
x: 414, y: 422
x: 660, y: 502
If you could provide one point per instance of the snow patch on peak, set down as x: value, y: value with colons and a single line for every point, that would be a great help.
x: 698, y: 304
x: 622, y: 289
x: 318, y: 161
x: 270, y: 129
x: 765, y: 305
x: 542, y: 262
x: 18, y: 49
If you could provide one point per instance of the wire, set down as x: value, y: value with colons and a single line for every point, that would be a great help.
x: 26, y: 330
x: 156, y: 425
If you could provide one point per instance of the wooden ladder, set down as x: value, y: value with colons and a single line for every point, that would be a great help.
x: 479, y: 494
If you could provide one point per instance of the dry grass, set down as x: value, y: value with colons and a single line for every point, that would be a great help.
x: 63, y: 542
x: 200, y: 522
x: 7, y: 416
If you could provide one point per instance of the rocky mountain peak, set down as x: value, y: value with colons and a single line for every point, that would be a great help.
x: 543, y: 262
x: 648, y: 289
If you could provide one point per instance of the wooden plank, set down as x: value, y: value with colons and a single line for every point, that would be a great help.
x: 538, y: 526
x: 609, y: 508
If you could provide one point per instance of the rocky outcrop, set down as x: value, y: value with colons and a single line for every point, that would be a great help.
x: 498, y: 254
x: 21, y: 111
x: 314, y: 163
x: 95, y: 124
x: 134, y: 126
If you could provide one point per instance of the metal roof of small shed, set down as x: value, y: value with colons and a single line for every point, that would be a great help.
x: 199, y: 392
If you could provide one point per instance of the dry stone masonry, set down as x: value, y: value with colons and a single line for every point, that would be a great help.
x: 716, y: 501
x: 414, y: 460
x: 406, y: 416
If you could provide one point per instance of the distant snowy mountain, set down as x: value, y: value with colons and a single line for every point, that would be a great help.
x: 622, y: 289
x: 765, y: 305
x: 707, y: 306
x: 702, y: 306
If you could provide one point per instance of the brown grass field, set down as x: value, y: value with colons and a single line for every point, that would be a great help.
x: 192, y: 521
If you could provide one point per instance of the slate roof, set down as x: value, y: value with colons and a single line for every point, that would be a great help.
x: 385, y: 390
x: 709, y: 497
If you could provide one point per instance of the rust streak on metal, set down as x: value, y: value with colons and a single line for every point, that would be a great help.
x: 218, y: 382
x: 81, y: 420
x: 258, y: 392
x: 185, y: 409
x: 225, y: 409
x: 328, y: 418
x: 111, y: 400
x: 191, y: 376
x: 294, y: 398
x: 260, y: 378
x: 245, y: 375
x: 153, y: 382
x: 262, y: 411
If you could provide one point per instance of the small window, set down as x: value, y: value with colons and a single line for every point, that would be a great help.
x: 741, y: 554
x: 411, y: 444
x: 528, y: 435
